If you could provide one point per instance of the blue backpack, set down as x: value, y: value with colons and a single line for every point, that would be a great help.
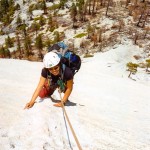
x: 69, y: 58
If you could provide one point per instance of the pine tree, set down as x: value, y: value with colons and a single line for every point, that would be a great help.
x: 89, y: 3
x: 7, y: 9
x: 19, y: 20
x: 4, y: 6
x: 30, y: 9
x: 41, y: 20
x: 18, y: 43
x: 50, y: 19
x: 57, y: 37
x: 94, y: 6
x: 44, y: 7
x: 132, y: 68
x: 73, y: 13
x: 27, y: 46
x: 2, y: 52
x: 80, y: 5
x: 62, y: 3
x: 48, y: 42
x: 35, y: 27
x: 23, y: 28
x: 11, y: 3
x: 147, y: 65
x: 8, y: 42
x: 39, y: 45
x: 6, y: 19
x: 17, y: 7
x: 108, y: 4
x: 7, y: 53
x: 89, y: 30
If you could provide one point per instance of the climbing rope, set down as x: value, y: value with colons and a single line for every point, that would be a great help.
x: 74, y: 135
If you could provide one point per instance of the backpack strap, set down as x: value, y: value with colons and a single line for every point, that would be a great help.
x: 62, y: 71
x: 67, y: 55
x: 49, y: 78
x: 61, y: 81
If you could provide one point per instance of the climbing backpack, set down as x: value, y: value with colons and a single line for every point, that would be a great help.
x: 57, y: 46
x: 69, y: 58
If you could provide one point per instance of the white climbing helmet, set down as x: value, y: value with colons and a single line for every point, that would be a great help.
x: 50, y: 60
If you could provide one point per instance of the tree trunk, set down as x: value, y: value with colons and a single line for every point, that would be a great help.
x: 108, y: 7
x: 129, y: 74
x: 101, y: 1
x: 89, y: 7
x: 136, y: 38
x: 93, y: 6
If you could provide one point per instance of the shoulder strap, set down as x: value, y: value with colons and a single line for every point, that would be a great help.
x: 62, y: 71
x: 68, y: 56
x: 48, y: 75
x: 48, y: 78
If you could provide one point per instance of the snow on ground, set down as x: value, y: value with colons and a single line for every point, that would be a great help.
x: 107, y: 110
x: 37, y: 12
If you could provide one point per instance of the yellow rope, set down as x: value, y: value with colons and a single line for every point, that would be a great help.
x: 74, y: 135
